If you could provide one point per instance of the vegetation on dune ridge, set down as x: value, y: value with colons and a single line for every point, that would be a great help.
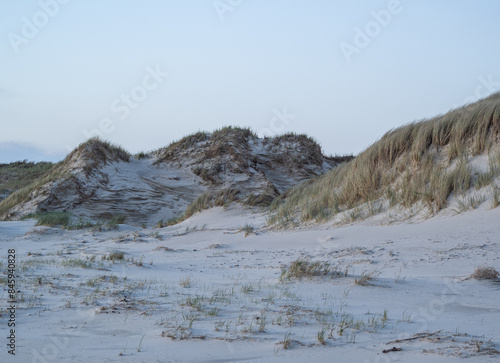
x: 65, y: 220
x: 233, y: 143
x: 94, y: 152
x: 218, y: 138
x: 221, y: 140
x: 227, y: 149
x: 17, y: 175
x: 22, y: 194
x: 424, y: 161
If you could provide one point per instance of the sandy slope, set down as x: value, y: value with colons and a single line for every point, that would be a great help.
x: 201, y: 292
x: 98, y: 181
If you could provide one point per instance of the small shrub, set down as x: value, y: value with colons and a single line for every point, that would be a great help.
x: 141, y: 155
x: 484, y: 273
x: 248, y: 229
x: 186, y: 283
x: 321, y: 336
x: 366, y: 278
x: 287, y: 341
x: 116, y: 255
x: 308, y: 269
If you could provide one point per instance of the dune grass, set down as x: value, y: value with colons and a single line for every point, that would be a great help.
x: 115, y: 221
x: 97, y: 152
x: 53, y: 219
x: 94, y: 151
x: 48, y: 175
x: 19, y: 174
x: 424, y: 161
x: 219, y: 141
x: 305, y: 268
x: 205, y: 200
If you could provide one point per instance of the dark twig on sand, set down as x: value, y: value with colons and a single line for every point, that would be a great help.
x: 417, y: 336
x: 394, y: 349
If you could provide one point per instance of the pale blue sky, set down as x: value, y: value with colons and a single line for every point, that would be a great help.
x: 66, y: 67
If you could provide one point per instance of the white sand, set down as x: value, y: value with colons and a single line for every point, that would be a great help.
x: 129, y: 311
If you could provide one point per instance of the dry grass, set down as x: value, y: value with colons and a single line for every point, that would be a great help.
x: 52, y: 219
x: 116, y: 255
x: 484, y: 273
x: 19, y: 174
x: 283, y: 146
x: 259, y: 200
x: 248, y: 229
x: 218, y: 143
x: 204, y: 201
x: 51, y: 174
x: 366, y: 278
x: 304, y: 268
x: 423, y: 162
x: 95, y: 153
x: 172, y: 150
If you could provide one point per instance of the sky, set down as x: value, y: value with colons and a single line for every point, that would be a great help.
x: 142, y: 74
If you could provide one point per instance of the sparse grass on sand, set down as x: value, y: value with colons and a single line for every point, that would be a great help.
x: 53, y: 219
x: 248, y: 229
x: 116, y: 255
x: 304, y: 268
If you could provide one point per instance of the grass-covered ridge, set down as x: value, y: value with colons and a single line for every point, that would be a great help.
x: 229, y: 139
x: 23, y: 193
x: 220, y: 142
x: 424, y: 161
x: 30, y: 177
x: 17, y: 175
x: 96, y: 152
x: 231, y: 163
